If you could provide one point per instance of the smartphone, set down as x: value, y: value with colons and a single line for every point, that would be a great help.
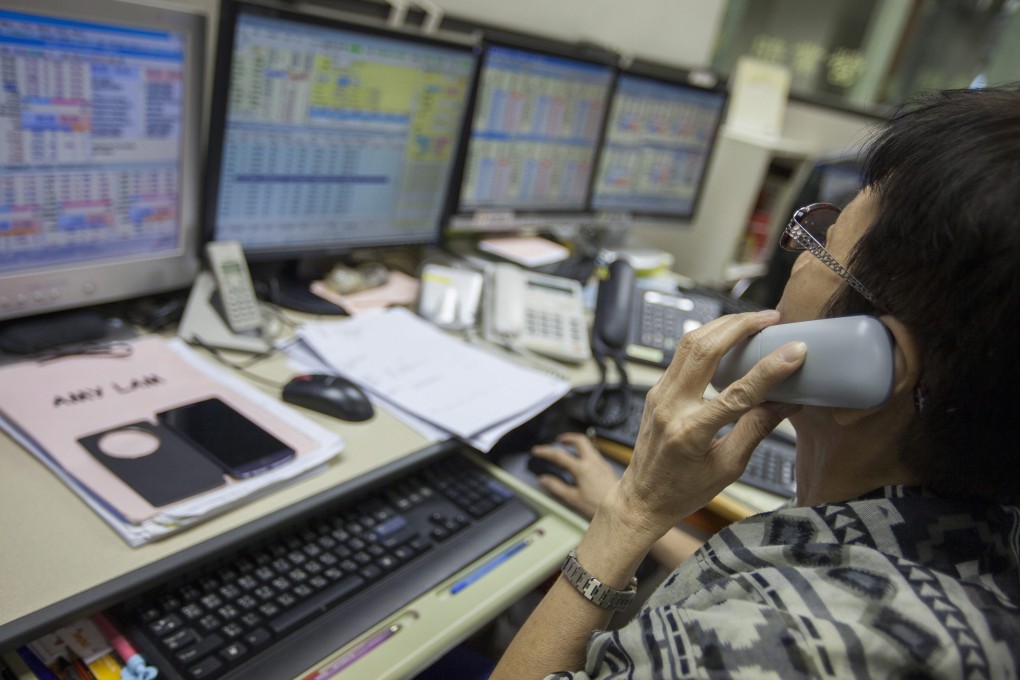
x: 240, y: 447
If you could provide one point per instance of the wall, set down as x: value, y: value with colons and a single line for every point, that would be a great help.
x: 680, y: 32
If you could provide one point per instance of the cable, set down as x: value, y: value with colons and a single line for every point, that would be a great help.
x: 243, y: 368
x: 609, y: 340
x: 601, y: 409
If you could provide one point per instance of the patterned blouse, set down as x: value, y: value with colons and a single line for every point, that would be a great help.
x: 897, y: 583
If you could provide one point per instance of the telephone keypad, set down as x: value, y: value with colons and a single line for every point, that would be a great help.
x: 661, y: 319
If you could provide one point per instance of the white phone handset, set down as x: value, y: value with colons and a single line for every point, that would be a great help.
x: 508, y: 300
x: 222, y: 309
x: 234, y: 285
x: 532, y: 312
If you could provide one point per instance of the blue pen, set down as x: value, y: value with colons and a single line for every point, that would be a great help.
x: 489, y: 566
x: 35, y: 664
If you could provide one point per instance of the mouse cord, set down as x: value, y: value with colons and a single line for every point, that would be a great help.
x: 242, y: 367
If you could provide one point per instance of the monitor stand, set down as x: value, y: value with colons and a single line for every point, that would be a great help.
x: 287, y: 285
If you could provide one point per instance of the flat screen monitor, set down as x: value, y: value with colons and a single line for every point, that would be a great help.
x: 100, y: 122
x: 534, y: 133
x: 328, y: 135
x: 657, y: 145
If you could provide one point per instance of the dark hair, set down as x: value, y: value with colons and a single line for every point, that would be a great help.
x: 943, y: 255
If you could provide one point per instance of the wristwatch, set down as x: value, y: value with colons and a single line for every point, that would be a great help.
x: 593, y: 589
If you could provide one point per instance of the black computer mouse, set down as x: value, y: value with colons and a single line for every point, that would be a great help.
x: 541, y: 466
x: 330, y: 394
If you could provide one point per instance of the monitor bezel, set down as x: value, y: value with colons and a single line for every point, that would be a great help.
x: 31, y: 292
x: 315, y: 15
x: 496, y: 219
x: 672, y: 76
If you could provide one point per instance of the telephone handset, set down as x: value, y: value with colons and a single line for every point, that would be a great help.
x: 222, y: 309
x: 608, y: 405
x: 530, y: 311
x: 849, y: 362
x: 234, y: 286
x: 611, y: 327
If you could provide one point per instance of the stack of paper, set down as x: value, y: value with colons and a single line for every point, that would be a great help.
x: 437, y: 383
x: 527, y: 251
x: 55, y: 409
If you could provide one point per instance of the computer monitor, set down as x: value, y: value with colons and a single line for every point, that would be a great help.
x: 658, y: 140
x: 329, y: 135
x: 534, y: 135
x: 100, y: 122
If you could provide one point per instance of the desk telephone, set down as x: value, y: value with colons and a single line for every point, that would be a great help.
x: 535, y: 312
x: 659, y: 319
x: 222, y: 309
x: 648, y: 324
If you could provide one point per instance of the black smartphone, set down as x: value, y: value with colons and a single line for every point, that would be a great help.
x: 239, y: 446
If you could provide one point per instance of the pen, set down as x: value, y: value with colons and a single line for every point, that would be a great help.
x: 331, y: 669
x: 135, y: 666
x: 489, y: 566
x: 35, y: 665
x: 79, y: 669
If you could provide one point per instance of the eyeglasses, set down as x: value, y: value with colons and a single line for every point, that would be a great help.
x: 807, y: 230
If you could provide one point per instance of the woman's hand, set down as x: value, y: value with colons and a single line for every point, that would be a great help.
x: 593, y: 474
x: 678, y: 466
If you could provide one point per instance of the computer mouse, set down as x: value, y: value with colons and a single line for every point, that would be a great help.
x: 541, y: 466
x: 330, y: 394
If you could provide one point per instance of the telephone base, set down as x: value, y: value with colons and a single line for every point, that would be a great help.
x: 201, y: 322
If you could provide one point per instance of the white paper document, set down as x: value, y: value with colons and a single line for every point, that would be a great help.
x: 404, y: 360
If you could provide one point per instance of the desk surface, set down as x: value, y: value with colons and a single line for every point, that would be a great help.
x: 60, y: 560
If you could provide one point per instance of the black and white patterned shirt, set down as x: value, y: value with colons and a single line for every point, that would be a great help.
x: 895, y: 584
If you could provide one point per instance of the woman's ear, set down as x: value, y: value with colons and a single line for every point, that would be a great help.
x: 906, y: 370
x: 906, y: 357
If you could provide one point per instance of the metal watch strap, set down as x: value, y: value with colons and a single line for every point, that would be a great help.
x: 593, y: 589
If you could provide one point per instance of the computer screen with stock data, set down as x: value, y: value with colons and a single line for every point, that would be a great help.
x: 99, y: 163
x: 329, y: 136
x: 534, y: 134
x: 657, y: 145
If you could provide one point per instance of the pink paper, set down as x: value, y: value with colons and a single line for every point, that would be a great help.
x: 60, y: 401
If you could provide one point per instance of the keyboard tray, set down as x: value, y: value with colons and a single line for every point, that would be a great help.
x: 278, y: 604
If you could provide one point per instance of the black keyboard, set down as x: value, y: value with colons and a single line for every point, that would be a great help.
x: 771, y: 468
x: 274, y: 608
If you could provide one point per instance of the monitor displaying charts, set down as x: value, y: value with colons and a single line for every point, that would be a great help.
x: 328, y: 136
x: 535, y: 131
x: 658, y: 141
x: 100, y: 148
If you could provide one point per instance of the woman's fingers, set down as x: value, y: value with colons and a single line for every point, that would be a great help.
x: 737, y: 446
x: 750, y: 390
x: 698, y: 354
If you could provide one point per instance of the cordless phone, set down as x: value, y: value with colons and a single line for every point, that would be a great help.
x: 234, y: 285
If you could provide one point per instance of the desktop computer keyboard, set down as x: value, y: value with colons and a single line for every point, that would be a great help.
x: 274, y: 608
x: 771, y: 468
